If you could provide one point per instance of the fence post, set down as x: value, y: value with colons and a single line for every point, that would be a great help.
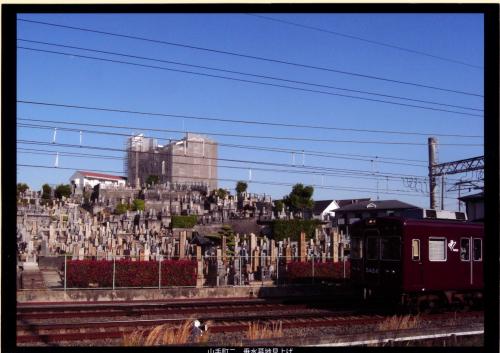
x: 277, y: 270
x: 239, y: 259
x: 114, y: 267
x: 312, y: 260
x: 65, y: 259
x: 159, y: 274
x: 262, y: 261
x: 343, y: 260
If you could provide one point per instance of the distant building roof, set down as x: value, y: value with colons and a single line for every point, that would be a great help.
x: 101, y: 176
x: 479, y: 196
x: 319, y: 206
x: 343, y: 203
x: 376, y: 205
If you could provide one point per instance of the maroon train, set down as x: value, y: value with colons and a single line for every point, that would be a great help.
x: 420, y: 263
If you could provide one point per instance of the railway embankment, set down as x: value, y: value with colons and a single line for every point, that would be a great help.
x: 129, y: 294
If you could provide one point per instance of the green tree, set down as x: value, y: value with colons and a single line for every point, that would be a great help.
x: 46, y: 192
x: 300, y: 198
x: 220, y: 193
x: 278, y: 205
x: 227, y: 231
x: 21, y: 188
x: 121, y: 208
x: 62, y: 190
x: 152, y: 179
x: 241, y: 187
x: 138, y: 205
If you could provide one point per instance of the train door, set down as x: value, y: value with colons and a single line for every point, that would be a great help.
x: 416, y: 268
x: 471, y: 257
x: 372, y: 257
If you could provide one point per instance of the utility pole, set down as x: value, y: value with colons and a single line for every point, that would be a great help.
x: 432, y: 178
x: 442, y: 192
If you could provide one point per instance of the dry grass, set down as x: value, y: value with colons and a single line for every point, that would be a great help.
x: 163, y: 335
x: 257, y: 331
x: 399, y: 323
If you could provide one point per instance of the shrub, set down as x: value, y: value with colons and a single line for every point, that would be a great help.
x: 257, y: 331
x: 297, y: 272
x: 184, y: 221
x: 62, y: 190
x: 138, y: 205
x: 165, y: 334
x: 128, y: 273
x: 282, y: 229
x: 121, y: 208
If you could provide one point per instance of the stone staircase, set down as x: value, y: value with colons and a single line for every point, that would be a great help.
x: 34, y: 278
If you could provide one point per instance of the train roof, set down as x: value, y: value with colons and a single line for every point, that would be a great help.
x: 422, y: 222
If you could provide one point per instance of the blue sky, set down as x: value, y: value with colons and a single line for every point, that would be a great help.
x: 45, y: 77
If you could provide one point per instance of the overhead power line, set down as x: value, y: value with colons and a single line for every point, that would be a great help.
x: 282, y: 138
x: 249, y: 74
x: 323, y: 154
x: 239, y: 121
x: 248, y: 56
x: 308, y: 172
x: 350, y: 36
x: 302, y: 167
x: 328, y: 187
x: 73, y: 55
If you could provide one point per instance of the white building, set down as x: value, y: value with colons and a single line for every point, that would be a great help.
x: 81, y: 179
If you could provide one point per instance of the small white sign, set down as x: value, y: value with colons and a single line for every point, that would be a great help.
x: 451, y: 245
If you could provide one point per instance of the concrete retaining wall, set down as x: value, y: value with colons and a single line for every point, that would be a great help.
x: 166, y: 293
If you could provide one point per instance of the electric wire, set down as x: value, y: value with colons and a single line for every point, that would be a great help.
x: 316, y: 173
x: 380, y: 159
x: 247, y: 74
x: 73, y: 55
x: 304, y: 167
x: 163, y: 42
x: 239, y: 121
x: 328, y: 187
x: 323, y: 170
x: 350, y: 36
x: 285, y: 138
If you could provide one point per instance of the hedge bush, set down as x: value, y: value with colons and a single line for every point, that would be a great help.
x: 282, y: 229
x: 300, y: 272
x: 81, y: 273
x: 184, y: 221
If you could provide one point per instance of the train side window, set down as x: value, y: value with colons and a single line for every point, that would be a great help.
x: 415, y: 249
x: 390, y: 248
x: 437, y: 249
x: 478, y: 249
x: 356, y: 248
x: 465, y: 249
x: 372, y: 248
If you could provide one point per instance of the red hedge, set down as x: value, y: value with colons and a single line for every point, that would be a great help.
x: 81, y: 273
x: 298, y: 271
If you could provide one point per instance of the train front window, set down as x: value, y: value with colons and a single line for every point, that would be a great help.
x: 356, y: 248
x: 478, y: 249
x: 372, y: 248
x: 465, y: 249
x: 390, y: 248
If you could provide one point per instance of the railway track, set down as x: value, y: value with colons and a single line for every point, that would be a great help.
x: 290, y: 316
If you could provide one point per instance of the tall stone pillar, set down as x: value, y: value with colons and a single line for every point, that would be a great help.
x: 335, y: 245
x: 302, y: 247
x: 200, y: 279
x: 182, y: 245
